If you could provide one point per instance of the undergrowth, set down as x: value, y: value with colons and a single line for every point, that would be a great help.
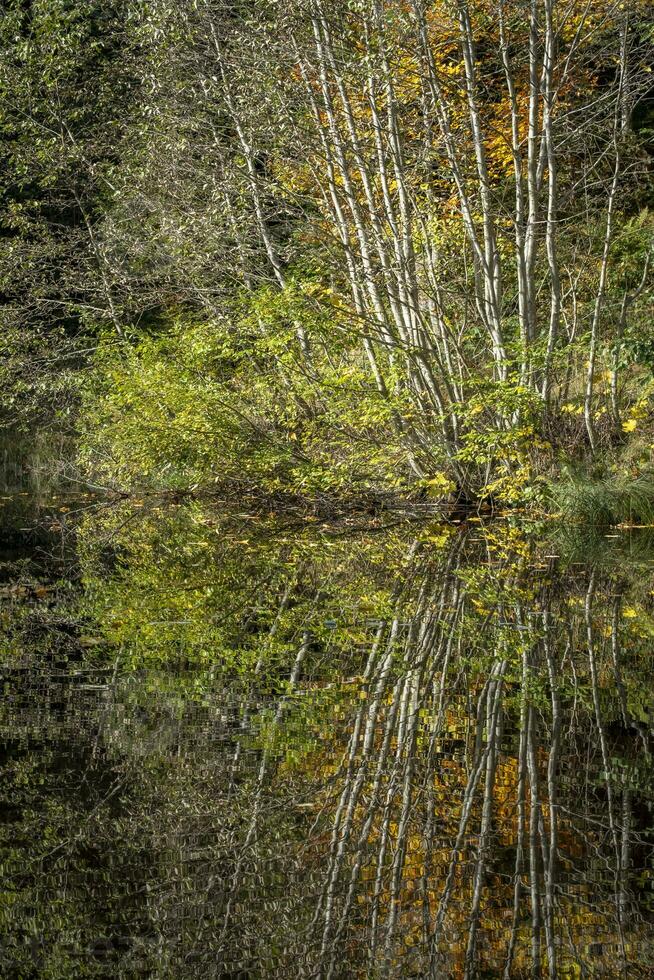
x: 608, y: 501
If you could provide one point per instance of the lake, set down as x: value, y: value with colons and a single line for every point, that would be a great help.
x: 239, y: 744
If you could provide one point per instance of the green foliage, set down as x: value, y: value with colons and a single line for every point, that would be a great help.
x: 203, y: 402
x: 66, y: 82
x: 616, y: 498
x: 285, y: 307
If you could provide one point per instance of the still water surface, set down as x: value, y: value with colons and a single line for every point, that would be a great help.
x: 246, y: 746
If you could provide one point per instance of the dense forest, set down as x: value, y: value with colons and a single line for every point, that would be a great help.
x: 327, y: 247
x: 326, y: 489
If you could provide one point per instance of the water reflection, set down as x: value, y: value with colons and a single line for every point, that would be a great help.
x: 246, y: 747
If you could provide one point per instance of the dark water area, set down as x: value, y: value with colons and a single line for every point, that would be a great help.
x: 238, y: 745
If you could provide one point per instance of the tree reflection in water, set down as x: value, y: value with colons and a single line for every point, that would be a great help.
x: 245, y: 749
